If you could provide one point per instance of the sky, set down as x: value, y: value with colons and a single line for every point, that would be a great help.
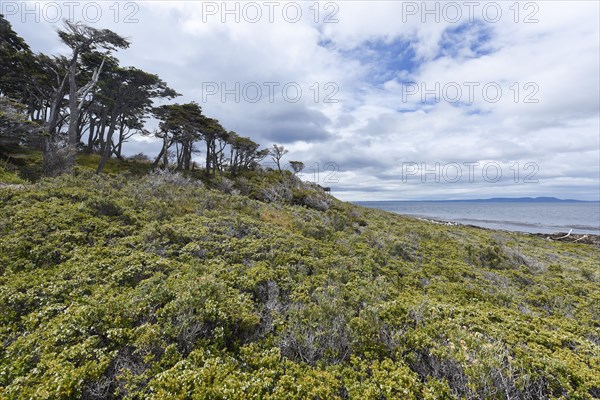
x: 381, y: 100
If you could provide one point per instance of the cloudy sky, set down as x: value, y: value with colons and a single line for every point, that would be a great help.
x: 381, y: 100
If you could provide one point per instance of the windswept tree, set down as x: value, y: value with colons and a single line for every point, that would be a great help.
x: 183, y: 125
x: 180, y: 127
x: 296, y: 166
x: 189, y: 134
x: 15, y: 57
x: 94, y: 115
x: 41, y: 82
x: 244, y: 153
x: 128, y: 94
x: 81, y: 39
x: 212, y: 132
x: 277, y: 153
x: 16, y: 66
x: 15, y: 128
x: 166, y: 131
x: 88, y: 93
x: 219, y: 158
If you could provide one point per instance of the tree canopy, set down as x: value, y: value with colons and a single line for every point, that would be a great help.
x: 88, y: 101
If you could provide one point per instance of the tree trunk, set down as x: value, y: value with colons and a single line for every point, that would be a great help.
x: 50, y: 134
x: 102, y: 130
x: 73, y: 112
x: 162, y: 151
x: 91, y: 135
x: 188, y: 157
x: 208, y: 156
x: 166, y: 154
x: 119, y: 146
x: 108, y: 146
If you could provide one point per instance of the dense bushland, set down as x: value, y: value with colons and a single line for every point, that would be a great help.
x: 157, y: 285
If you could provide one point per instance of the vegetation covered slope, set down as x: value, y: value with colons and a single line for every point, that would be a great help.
x: 157, y: 287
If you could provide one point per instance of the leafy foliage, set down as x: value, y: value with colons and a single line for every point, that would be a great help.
x: 156, y: 286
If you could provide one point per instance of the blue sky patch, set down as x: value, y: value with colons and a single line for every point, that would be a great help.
x: 387, y: 59
x: 467, y: 40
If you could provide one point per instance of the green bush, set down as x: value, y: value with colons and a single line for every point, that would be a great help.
x: 160, y: 286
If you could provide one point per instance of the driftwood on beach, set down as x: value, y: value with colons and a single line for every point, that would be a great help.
x: 572, y: 237
x: 558, y: 236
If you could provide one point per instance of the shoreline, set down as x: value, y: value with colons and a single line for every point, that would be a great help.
x: 568, y: 237
x: 518, y: 223
x: 547, y: 220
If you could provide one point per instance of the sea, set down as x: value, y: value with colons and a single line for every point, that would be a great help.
x: 551, y: 217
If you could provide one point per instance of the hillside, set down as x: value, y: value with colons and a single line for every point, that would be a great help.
x: 135, y: 285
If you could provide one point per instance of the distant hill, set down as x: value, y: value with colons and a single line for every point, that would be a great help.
x: 492, y: 200
x: 527, y: 200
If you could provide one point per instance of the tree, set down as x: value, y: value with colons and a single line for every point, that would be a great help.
x: 244, y: 153
x: 88, y: 92
x: 81, y: 39
x: 40, y: 84
x: 15, y: 127
x: 180, y: 126
x: 128, y: 94
x: 277, y: 153
x: 212, y: 132
x: 15, y: 56
x: 94, y: 115
x: 297, y: 166
x: 37, y: 82
x: 17, y: 75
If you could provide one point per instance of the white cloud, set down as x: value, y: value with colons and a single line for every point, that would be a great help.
x: 373, y: 129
